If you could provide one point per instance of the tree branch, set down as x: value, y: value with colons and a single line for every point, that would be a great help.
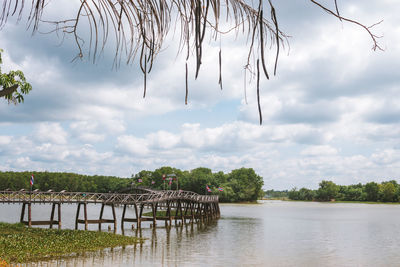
x: 8, y: 90
x: 367, y: 28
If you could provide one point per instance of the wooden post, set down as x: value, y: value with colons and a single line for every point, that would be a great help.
x: 29, y: 215
x: 85, y: 214
x: 137, y: 216
x: 181, y: 211
x: 52, y: 215
x: 123, y: 217
x: 59, y: 215
x: 187, y: 205
x: 140, y: 215
x: 22, y: 213
x: 77, y: 216
x: 192, y: 211
x: 154, y: 210
x: 176, y: 211
x: 114, y: 217
x: 168, y: 214
x: 101, y: 215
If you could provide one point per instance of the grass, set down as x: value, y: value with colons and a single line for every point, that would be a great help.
x: 22, y: 244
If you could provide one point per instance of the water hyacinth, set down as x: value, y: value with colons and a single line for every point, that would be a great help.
x: 21, y: 244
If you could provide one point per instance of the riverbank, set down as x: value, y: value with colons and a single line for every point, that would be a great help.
x: 22, y: 244
x: 342, y: 201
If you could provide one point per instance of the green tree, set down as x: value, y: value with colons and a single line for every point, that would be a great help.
x: 387, y: 191
x: 293, y: 194
x: 246, y: 183
x: 372, y: 191
x: 13, y: 85
x: 306, y: 194
x: 327, y: 190
x: 228, y: 195
x: 197, y: 180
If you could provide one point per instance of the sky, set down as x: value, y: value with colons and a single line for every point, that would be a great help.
x: 332, y: 112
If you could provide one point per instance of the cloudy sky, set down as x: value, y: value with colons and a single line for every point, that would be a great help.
x: 332, y: 112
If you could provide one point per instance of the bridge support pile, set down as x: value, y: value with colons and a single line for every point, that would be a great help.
x: 99, y: 221
x: 29, y: 222
x: 167, y: 206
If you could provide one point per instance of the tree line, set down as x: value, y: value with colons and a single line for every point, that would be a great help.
x: 239, y: 185
x: 388, y: 191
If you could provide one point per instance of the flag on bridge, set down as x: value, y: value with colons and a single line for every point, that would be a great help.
x: 220, y: 189
x: 32, y: 180
x: 208, y: 189
x: 163, y: 177
x: 140, y: 180
x: 153, y: 182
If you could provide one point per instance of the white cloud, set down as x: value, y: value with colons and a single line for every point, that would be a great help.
x: 51, y: 132
x: 132, y: 145
x: 5, y: 140
x: 331, y: 111
x: 317, y: 151
x: 87, y: 131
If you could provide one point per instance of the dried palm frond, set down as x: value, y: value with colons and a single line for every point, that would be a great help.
x: 141, y: 26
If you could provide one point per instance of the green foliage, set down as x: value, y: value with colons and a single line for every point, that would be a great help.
x: 302, y: 194
x: 372, y: 192
x: 21, y: 244
x: 239, y: 185
x: 387, y: 191
x: 327, y: 190
x: 246, y: 183
x: 276, y: 194
x: 59, y: 181
x: 13, y: 78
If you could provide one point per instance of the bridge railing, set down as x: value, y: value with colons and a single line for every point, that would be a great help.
x: 75, y: 197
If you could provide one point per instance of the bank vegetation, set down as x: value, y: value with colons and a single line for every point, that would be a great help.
x: 388, y: 191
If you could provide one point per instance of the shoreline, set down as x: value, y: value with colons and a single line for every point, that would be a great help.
x: 336, y: 201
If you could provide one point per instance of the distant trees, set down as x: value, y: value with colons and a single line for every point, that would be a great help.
x: 302, y: 194
x: 327, y: 190
x: 276, y: 194
x: 239, y: 185
x: 385, y: 192
x: 372, y: 191
x: 58, y: 181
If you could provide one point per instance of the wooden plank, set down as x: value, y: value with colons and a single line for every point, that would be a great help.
x: 95, y: 221
x: 40, y: 222
x: 130, y: 220
x: 146, y: 219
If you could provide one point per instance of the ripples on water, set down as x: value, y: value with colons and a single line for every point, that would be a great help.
x: 273, y: 233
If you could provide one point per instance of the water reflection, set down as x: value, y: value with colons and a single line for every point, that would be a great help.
x: 163, y: 246
x: 270, y: 234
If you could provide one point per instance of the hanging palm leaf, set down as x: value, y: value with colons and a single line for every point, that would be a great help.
x: 140, y: 28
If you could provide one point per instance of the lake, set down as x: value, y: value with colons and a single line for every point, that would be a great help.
x: 272, y: 233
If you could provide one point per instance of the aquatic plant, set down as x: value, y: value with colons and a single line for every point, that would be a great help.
x: 22, y: 244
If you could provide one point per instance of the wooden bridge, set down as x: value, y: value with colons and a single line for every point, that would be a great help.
x: 181, y: 206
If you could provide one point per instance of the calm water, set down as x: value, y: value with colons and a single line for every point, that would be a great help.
x: 273, y: 233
